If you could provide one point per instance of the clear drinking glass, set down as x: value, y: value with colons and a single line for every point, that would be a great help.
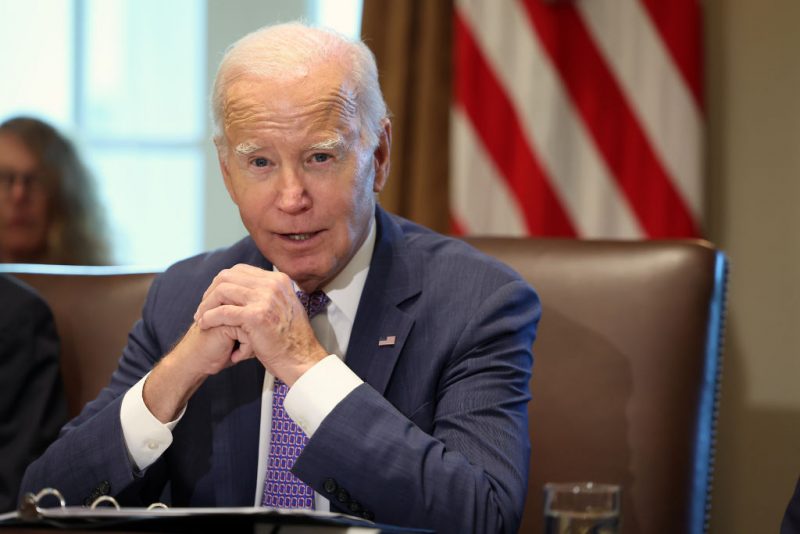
x: 581, y: 508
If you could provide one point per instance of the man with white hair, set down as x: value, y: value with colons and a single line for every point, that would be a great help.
x: 336, y: 358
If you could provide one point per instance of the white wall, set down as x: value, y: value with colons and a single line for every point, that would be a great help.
x: 754, y: 200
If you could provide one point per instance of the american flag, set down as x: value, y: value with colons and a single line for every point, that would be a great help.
x: 577, y: 118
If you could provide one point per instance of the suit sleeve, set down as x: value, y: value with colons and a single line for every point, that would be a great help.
x: 32, y: 403
x: 90, y: 458
x: 469, y: 474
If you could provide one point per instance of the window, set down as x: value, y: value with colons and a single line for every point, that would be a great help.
x: 141, y: 111
x: 134, y: 107
x: 343, y: 16
x: 128, y: 81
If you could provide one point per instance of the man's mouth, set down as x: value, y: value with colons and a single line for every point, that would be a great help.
x: 300, y: 237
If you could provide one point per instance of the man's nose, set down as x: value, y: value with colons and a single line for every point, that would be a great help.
x: 293, y: 195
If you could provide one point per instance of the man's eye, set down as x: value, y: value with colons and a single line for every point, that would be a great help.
x: 260, y: 162
x: 320, y: 158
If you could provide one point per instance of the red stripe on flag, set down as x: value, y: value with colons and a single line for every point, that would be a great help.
x: 486, y: 104
x: 680, y: 24
x: 456, y: 226
x: 613, y: 125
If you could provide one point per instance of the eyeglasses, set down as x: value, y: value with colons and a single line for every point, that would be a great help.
x: 28, y: 180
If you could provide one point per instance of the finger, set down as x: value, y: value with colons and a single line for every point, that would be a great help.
x: 249, y: 269
x: 243, y: 352
x: 235, y: 275
x: 224, y: 315
x: 250, y: 277
x: 240, y: 349
x: 224, y: 293
x: 255, y: 277
x: 225, y: 276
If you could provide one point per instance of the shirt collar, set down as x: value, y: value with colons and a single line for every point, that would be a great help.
x: 345, y: 290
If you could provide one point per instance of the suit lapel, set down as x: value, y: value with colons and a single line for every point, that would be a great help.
x: 395, y: 275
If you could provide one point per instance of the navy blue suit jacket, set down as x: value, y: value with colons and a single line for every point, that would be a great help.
x: 32, y: 403
x: 436, y: 437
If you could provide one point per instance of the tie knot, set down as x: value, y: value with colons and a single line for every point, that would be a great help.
x: 313, y: 302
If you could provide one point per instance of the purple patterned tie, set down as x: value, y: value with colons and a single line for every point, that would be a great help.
x: 281, y: 488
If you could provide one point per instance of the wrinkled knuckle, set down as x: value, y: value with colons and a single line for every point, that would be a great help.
x: 261, y: 313
x: 222, y: 276
x: 274, y: 285
x: 225, y: 286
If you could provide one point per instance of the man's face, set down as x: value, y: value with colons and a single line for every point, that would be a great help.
x: 297, y: 169
x: 24, y: 217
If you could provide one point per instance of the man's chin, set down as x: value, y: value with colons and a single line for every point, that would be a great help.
x: 308, y: 277
x: 310, y: 284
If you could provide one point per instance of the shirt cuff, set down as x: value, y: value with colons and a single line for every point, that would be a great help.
x: 145, y: 436
x: 315, y: 394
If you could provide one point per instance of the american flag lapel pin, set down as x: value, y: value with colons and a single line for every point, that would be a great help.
x: 387, y: 341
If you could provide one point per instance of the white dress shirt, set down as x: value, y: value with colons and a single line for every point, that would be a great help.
x: 312, y: 397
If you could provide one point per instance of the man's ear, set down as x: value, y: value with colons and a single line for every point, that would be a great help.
x: 382, y: 156
x: 222, y: 157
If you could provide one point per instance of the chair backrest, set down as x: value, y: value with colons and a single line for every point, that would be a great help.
x: 94, y: 309
x: 625, y: 376
x: 626, y: 372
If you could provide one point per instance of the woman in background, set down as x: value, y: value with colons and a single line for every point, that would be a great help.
x: 48, y: 207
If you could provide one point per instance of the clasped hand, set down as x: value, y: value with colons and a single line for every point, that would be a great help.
x: 249, y: 312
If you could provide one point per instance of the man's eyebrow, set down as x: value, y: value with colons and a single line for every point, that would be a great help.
x: 333, y: 143
x: 246, y: 148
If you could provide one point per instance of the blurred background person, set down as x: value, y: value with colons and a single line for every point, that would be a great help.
x: 32, y: 403
x: 791, y: 518
x: 48, y: 206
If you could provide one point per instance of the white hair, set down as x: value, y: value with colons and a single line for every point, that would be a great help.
x: 289, y: 49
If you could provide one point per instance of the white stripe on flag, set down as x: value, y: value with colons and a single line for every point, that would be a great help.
x: 654, y: 88
x: 483, y: 203
x: 553, y: 129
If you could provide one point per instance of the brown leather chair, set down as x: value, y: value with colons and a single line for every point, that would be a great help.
x: 625, y: 377
x: 626, y: 373
x: 94, y: 308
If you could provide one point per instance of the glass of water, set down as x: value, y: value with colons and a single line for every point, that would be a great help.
x: 581, y: 508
